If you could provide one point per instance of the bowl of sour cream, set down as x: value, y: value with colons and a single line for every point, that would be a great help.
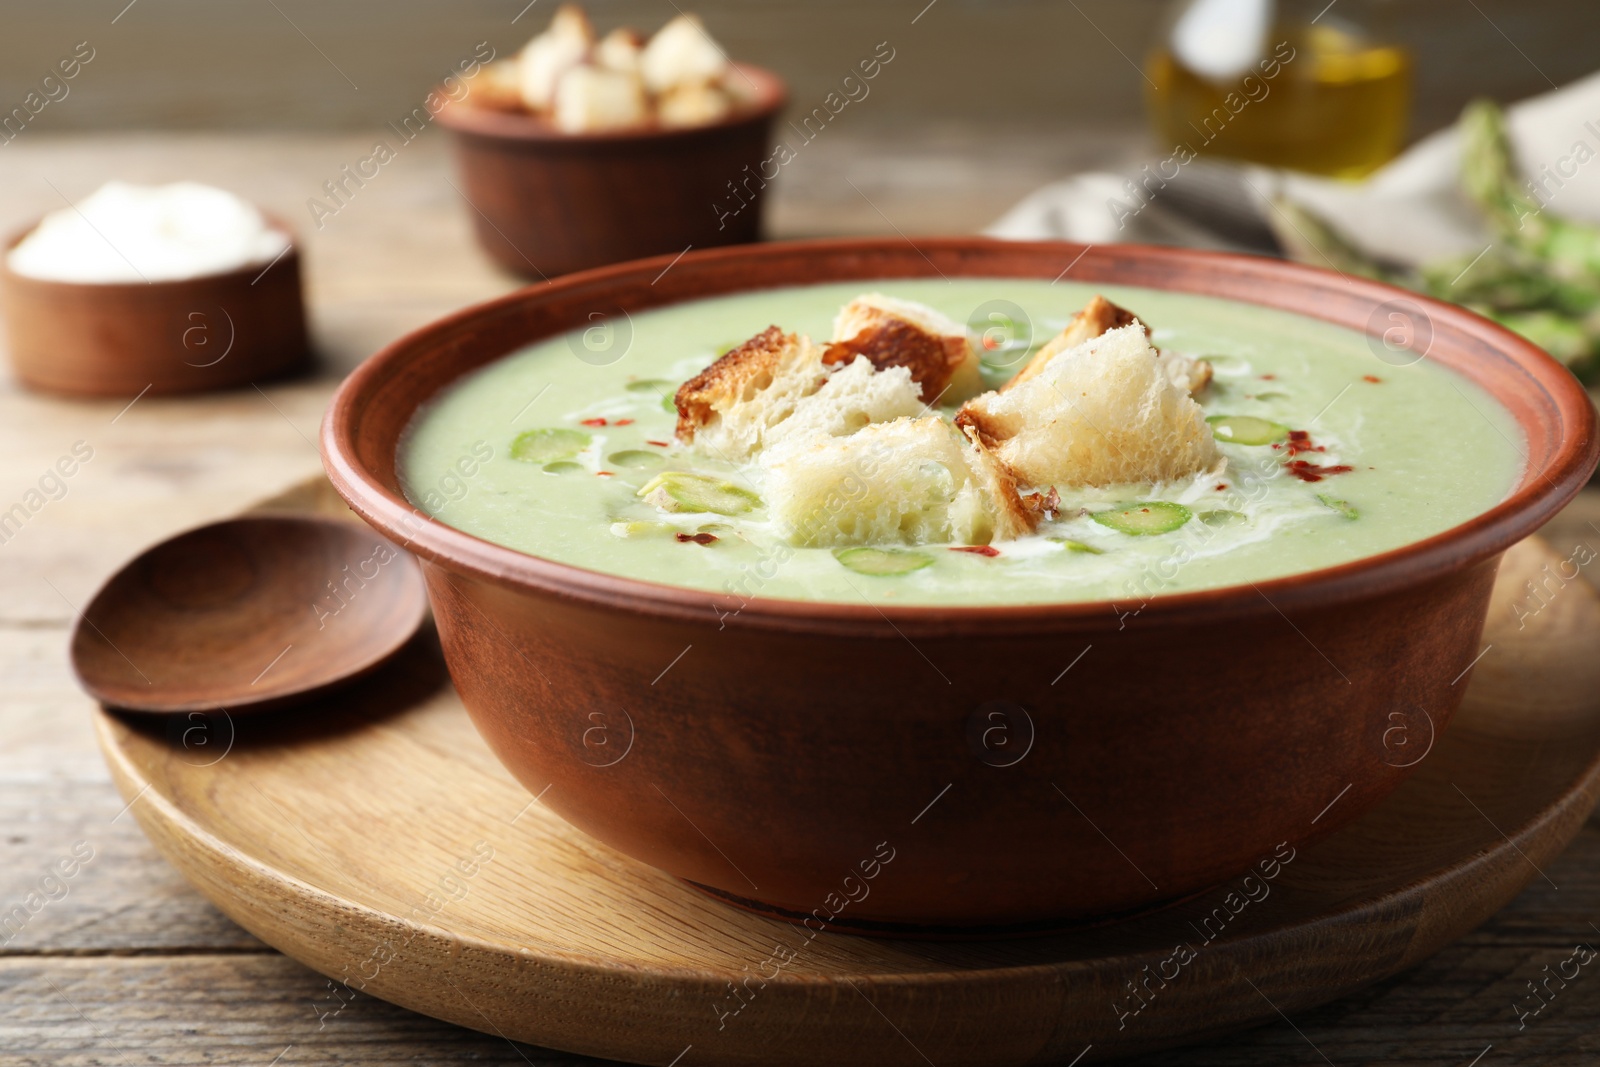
x: 167, y: 289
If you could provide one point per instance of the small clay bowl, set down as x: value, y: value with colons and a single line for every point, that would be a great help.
x: 190, y: 335
x: 798, y: 746
x: 544, y: 202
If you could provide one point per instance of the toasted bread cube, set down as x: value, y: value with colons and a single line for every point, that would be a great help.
x: 548, y: 56
x: 1102, y: 413
x: 1097, y: 317
x: 497, y: 85
x: 1187, y: 373
x: 693, y: 104
x: 570, y: 20
x: 775, y: 385
x: 728, y: 406
x: 902, y: 333
x: 854, y: 396
x: 680, y: 53
x: 621, y: 49
x: 909, y: 481
x: 590, y: 99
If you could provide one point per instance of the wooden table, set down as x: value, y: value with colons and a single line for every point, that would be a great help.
x: 124, y: 964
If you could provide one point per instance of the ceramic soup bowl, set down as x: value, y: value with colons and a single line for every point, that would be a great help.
x: 812, y: 763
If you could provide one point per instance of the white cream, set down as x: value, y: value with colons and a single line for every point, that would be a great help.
x: 144, y: 233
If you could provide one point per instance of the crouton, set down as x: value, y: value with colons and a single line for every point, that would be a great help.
x: 620, y: 50
x: 775, y: 385
x: 681, y: 52
x: 1097, y: 317
x: 497, y: 85
x: 544, y: 59
x: 900, y: 333
x: 570, y: 20
x: 1102, y: 413
x: 590, y: 99
x: 909, y: 481
x: 693, y: 104
x: 771, y: 360
x: 854, y: 396
x: 1187, y: 373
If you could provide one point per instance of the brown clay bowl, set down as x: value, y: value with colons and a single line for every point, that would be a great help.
x: 797, y: 744
x: 217, y: 331
x: 545, y: 202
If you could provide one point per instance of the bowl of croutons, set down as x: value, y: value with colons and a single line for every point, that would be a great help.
x: 582, y: 150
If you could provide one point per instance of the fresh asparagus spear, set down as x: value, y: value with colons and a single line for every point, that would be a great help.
x: 1506, y: 279
x: 1490, y: 177
x: 1507, y: 285
x: 1309, y: 238
x: 1488, y: 173
x: 1540, y: 279
x: 1570, y: 340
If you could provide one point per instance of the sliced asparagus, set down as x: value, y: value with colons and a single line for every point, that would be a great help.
x: 635, y: 459
x: 1078, y: 546
x: 1145, y: 518
x: 682, y: 491
x: 882, y: 562
x: 1246, y: 429
x: 1343, y: 507
x: 548, y: 445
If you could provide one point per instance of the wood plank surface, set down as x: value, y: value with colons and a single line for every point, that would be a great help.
x: 160, y: 975
x: 169, y: 1008
x: 373, y: 836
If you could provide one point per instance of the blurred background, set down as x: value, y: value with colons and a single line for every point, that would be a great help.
x: 1017, y: 91
x: 1060, y: 68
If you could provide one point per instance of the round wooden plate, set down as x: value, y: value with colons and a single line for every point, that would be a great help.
x: 373, y: 837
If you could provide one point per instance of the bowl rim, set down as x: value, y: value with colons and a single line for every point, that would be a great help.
x: 249, y: 270
x: 463, y: 117
x: 1537, y: 496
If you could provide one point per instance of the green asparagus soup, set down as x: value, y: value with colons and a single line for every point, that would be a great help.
x: 1332, y: 454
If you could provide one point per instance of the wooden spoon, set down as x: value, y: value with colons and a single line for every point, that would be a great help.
x: 247, y: 614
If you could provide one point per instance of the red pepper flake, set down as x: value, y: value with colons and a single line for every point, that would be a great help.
x: 1300, y: 441
x: 698, y: 538
x: 1269, y: 377
x: 658, y: 444
x: 990, y: 343
x: 1307, y: 471
x: 603, y: 474
x: 1373, y: 378
x: 1221, y: 486
x: 623, y: 422
x: 594, y: 422
x: 976, y: 550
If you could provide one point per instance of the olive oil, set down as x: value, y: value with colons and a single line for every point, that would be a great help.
x: 1322, y: 99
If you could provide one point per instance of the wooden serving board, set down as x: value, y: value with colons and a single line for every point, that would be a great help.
x: 373, y: 837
